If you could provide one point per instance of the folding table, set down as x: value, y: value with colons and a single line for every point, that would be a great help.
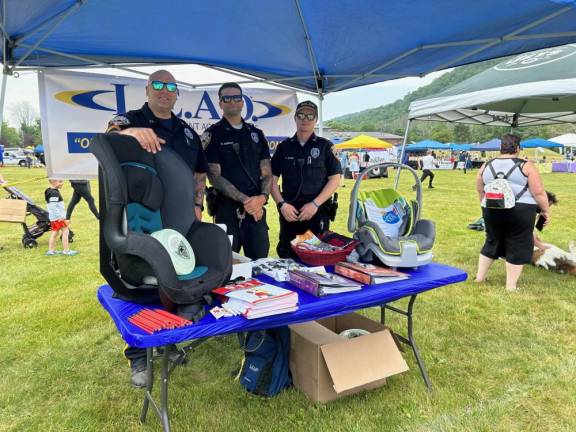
x: 310, y: 308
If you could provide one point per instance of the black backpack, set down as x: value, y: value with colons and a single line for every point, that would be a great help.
x: 265, y: 370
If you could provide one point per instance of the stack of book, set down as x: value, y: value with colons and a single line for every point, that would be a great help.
x: 255, y: 299
x: 322, y: 284
x: 368, y: 274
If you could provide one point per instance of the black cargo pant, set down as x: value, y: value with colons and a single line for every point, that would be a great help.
x: 248, y: 234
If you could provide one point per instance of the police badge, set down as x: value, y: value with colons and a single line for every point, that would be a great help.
x: 315, y: 152
x: 206, y: 137
x: 188, y: 133
x: 255, y: 138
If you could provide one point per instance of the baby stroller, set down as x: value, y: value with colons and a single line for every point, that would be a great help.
x: 42, y: 225
x: 388, y: 226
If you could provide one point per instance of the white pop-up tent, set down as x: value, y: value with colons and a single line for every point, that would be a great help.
x: 535, y: 88
x: 568, y: 140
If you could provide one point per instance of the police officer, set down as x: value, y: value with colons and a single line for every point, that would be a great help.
x: 155, y: 125
x: 239, y: 169
x: 310, y: 172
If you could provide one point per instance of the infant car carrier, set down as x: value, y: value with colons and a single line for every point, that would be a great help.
x: 388, y: 226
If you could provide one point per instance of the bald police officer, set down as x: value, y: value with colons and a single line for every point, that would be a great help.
x: 310, y: 174
x: 155, y: 125
x: 239, y: 169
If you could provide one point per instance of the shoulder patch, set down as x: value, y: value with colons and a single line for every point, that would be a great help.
x: 333, y: 150
x: 206, y: 137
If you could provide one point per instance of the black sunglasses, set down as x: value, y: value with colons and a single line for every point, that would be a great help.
x: 228, y: 99
x: 303, y: 116
x: 159, y: 85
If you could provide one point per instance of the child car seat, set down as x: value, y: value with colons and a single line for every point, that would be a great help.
x: 389, y: 227
x: 142, y: 193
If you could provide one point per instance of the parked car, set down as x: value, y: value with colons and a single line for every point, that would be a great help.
x: 14, y: 157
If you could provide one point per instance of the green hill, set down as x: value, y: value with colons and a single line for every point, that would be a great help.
x: 391, y: 118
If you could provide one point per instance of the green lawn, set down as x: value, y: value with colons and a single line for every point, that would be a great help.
x: 498, y: 361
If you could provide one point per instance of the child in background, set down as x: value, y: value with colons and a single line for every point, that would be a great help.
x: 57, y: 216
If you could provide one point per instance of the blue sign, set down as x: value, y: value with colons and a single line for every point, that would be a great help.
x: 79, y: 142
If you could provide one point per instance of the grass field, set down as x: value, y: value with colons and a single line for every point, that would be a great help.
x: 498, y: 361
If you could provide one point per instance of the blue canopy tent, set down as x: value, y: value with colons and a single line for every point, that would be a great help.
x: 492, y: 145
x: 301, y: 44
x: 39, y: 149
x: 459, y: 147
x: 539, y: 142
x: 427, y: 145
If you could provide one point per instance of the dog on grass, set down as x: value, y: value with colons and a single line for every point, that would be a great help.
x: 555, y: 259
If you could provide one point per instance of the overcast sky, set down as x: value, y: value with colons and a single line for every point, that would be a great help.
x: 25, y: 88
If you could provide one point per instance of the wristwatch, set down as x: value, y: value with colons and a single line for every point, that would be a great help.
x: 280, y: 204
x: 200, y: 206
x: 265, y: 196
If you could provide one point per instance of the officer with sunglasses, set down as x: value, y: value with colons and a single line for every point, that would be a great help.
x: 154, y: 126
x: 310, y: 172
x: 239, y: 170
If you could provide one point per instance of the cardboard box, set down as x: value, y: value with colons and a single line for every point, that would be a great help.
x: 327, y: 366
x: 241, y: 266
x: 12, y: 210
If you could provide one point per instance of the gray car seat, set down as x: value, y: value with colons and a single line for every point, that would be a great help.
x: 141, y: 193
x: 412, y: 247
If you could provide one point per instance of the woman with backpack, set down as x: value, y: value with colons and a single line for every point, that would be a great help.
x: 510, y: 189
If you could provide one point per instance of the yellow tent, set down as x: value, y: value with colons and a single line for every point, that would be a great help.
x: 364, y: 142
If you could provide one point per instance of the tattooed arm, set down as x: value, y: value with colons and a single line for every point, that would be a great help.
x: 222, y: 185
x: 266, y: 177
x: 255, y: 203
x: 199, y: 188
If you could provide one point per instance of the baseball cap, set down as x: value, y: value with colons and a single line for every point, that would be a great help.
x: 307, y: 104
x: 180, y: 251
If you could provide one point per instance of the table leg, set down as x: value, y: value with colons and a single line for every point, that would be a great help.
x: 149, y: 385
x: 162, y: 410
x: 164, y: 391
x: 410, y: 340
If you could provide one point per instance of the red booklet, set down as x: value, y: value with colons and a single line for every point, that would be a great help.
x: 369, y: 274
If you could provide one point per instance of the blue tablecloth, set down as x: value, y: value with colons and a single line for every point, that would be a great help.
x: 310, y: 308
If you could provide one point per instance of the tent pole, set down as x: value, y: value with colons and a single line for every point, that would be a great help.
x: 2, y: 97
x: 397, y: 179
x: 320, y: 115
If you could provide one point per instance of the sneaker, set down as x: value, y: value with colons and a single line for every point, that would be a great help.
x: 139, y: 377
x: 430, y: 187
x: 52, y: 253
x: 70, y: 252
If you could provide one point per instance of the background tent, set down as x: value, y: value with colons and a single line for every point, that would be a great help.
x: 535, y: 88
x: 364, y: 142
x: 492, y: 145
x: 427, y: 145
x: 538, y: 142
x: 39, y: 149
x: 568, y: 140
x: 459, y: 147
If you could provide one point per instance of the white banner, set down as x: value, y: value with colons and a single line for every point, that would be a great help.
x: 74, y: 106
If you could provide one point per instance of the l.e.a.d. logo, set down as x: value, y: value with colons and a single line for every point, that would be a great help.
x: 205, y: 108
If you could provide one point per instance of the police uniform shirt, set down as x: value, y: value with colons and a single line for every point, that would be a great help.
x: 176, y: 132
x: 304, y: 168
x: 227, y: 146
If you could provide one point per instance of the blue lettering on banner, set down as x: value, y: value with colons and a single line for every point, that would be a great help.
x: 209, y: 107
x: 273, y: 142
x: 79, y: 142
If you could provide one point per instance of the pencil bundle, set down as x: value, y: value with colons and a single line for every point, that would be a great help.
x: 153, y: 320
